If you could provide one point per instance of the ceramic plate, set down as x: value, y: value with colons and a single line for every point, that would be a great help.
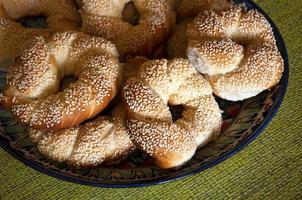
x: 243, y: 122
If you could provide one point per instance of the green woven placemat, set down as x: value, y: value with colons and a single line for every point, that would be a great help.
x: 269, y: 168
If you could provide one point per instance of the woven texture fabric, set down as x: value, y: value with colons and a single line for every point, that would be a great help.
x: 269, y: 168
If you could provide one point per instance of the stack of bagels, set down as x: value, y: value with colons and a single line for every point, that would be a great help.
x: 132, y: 60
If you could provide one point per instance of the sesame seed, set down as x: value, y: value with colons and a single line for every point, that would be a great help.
x: 44, y: 61
x: 236, y: 49
x: 60, y: 15
x: 104, y: 18
x: 146, y: 97
x: 102, y: 140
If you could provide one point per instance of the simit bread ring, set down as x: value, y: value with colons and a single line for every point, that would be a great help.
x: 60, y: 14
x: 187, y: 10
x: 33, y: 81
x: 146, y: 96
x: 104, y: 18
x: 104, y: 139
x: 237, y: 49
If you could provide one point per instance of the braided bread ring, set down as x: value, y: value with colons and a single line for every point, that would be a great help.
x: 237, y: 49
x: 60, y: 14
x: 104, y: 18
x: 149, y: 120
x: 35, y: 78
x: 104, y: 139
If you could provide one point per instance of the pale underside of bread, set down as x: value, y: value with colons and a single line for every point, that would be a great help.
x: 236, y: 49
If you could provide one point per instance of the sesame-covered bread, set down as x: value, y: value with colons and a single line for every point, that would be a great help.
x: 131, y: 66
x: 146, y: 98
x: 187, y: 10
x: 236, y: 48
x: 231, y: 52
x: 105, y: 139
x: 104, y: 18
x: 60, y: 14
x: 13, y: 36
x: 33, y: 81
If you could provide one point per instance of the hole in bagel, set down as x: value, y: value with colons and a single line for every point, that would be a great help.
x: 34, y: 22
x: 176, y: 111
x: 67, y: 81
x: 130, y: 14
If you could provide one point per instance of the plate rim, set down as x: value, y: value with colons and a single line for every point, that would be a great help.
x: 270, y: 115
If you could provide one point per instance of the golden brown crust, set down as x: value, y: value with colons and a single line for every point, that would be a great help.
x: 142, y: 102
x: 237, y: 50
x: 36, y: 76
x: 146, y: 96
x: 104, y: 139
x: 13, y: 36
x: 187, y: 10
x: 60, y: 14
x: 104, y: 18
x: 168, y: 144
x: 131, y: 66
x: 3, y: 12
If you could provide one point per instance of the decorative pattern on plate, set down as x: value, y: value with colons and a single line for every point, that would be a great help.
x: 243, y: 121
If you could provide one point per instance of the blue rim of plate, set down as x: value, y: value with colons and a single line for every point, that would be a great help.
x: 272, y: 112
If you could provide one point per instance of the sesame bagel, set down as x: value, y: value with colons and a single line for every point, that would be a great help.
x: 105, y: 139
x: 60, y: 14
x: 146, y: 98
x: 104, y: 18
x: 236, y: 48
x: 33, y: 81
